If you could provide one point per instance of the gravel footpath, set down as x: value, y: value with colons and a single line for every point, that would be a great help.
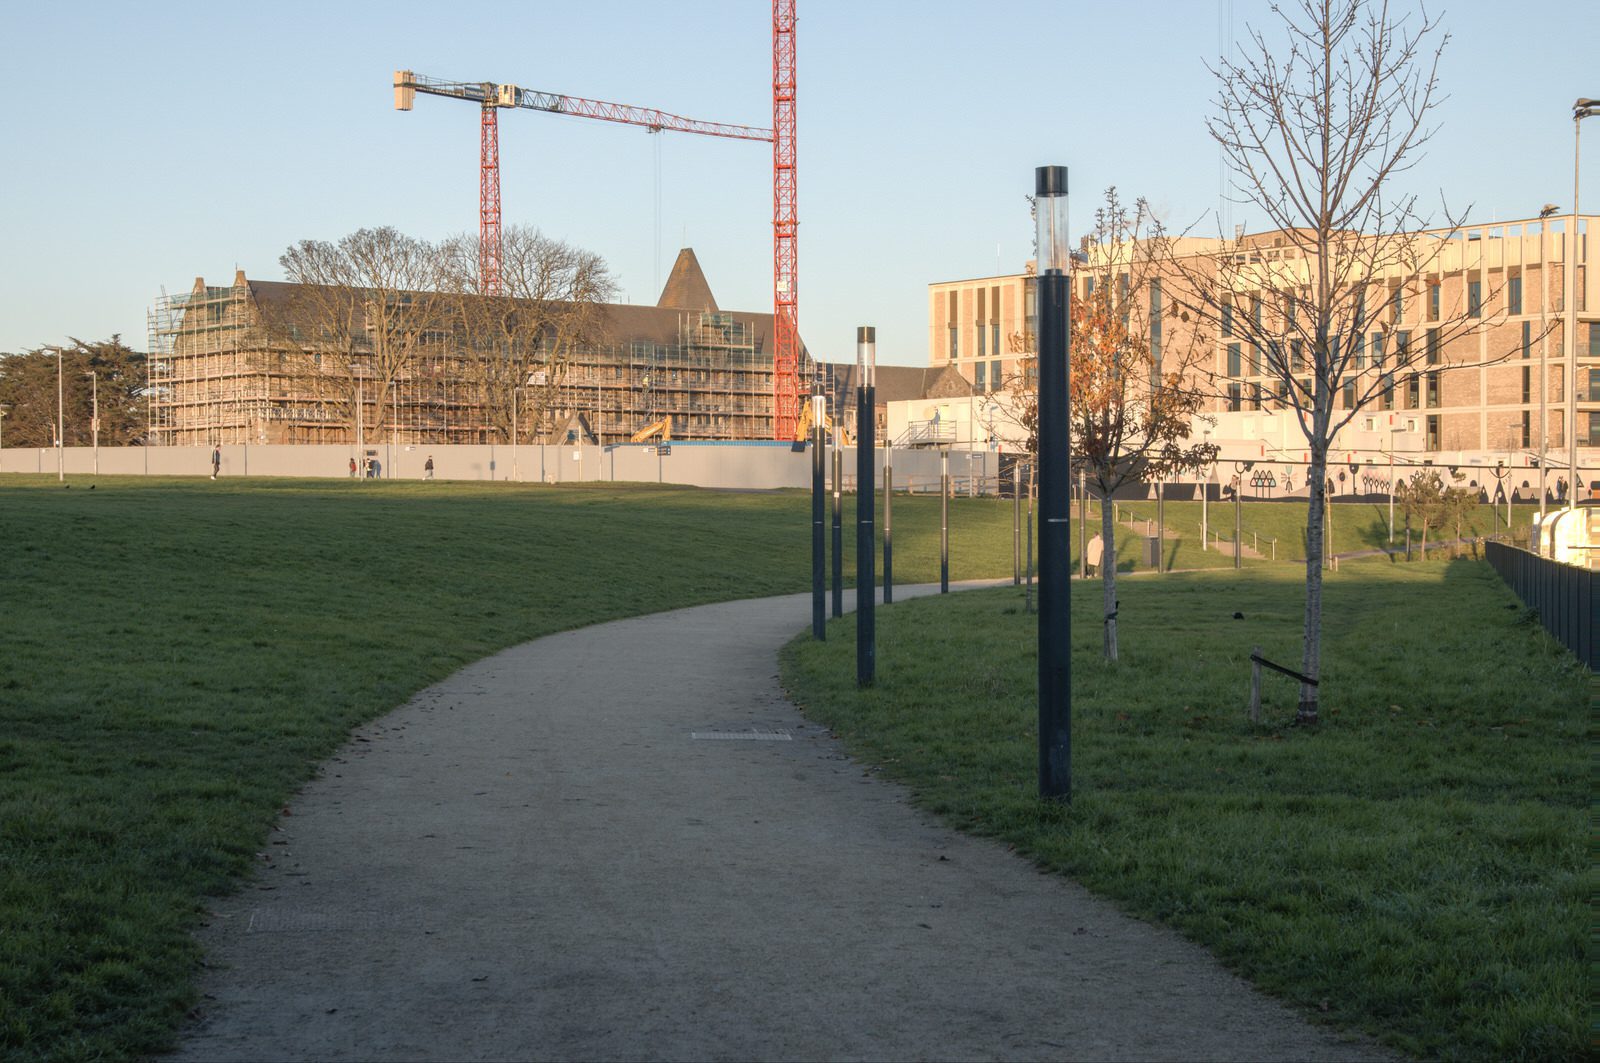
x: 560, y: 853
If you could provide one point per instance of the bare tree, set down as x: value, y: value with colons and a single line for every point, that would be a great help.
x: 365, y: 312
x: 522, y: 343
x: 1315, y: 130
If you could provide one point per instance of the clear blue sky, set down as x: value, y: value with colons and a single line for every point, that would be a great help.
x: 147, y: 144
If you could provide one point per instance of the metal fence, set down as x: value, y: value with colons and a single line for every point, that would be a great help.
x: 1563, y: 596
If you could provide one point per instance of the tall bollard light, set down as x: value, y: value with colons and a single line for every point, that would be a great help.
x: 888, y: 523
x: 1055, y: 494
x: 838, y: 529
x: 866, y: 500
x: 819, y: 490
x: 1016, y: 523
x: 944, y: 521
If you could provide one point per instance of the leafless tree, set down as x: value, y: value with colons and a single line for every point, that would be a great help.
x: 365, y: 312
x: 1316, y: 127
x: 521, y: 343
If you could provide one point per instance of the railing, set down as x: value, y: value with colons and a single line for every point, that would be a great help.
x: 927, y: 433
x: 1563, y: 596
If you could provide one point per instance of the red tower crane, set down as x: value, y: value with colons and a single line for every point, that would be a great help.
x: 491, y: 96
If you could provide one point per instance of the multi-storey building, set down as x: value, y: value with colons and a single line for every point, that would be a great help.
x: 241, y: 363
x: 1480, y: 312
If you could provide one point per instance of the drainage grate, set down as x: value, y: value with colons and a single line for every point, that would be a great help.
x: 326, y: 920
x: 744, y: 736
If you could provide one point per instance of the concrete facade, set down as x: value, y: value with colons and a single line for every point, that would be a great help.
x: 1473, y: 399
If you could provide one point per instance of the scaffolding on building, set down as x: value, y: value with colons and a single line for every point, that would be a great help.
x: 219, y: 374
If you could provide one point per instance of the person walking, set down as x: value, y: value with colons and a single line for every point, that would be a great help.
x: 1092, y: 555
x: 216, y: 461
x: 352, y: 468
x: 427, y: 468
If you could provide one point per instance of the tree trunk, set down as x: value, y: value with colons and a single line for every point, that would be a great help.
x: 1424, y: 540
x: 1311, y: 659
x: 1108, y: 575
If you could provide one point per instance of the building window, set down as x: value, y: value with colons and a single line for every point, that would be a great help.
x: 1591, y: 436
x: 1255, y: 396
x: 1297, y: 356
x: 955, y: 344
x: 996, y: 381
x: 1233, y: 398
x: 1433, y: 390
x: 1255, y: 360
x: 1413, y: 392
x: 1227, y: 319
x: 1433, y: 302
x: 994, y: 338
x: 1594, y: 341
x: 1361, y: 308
x: 1432, y: 348
x: 1155, y: 321
x: 1388, y: 391
x: 1397, y: 301
x: 1474, y: 298
x: 1360, y: 353
x: 1433, y: 431
x: 982, y: 337
x: 1514, y: 295
x: 1088, y: 287
x: 1233, y: 360
x: 1377, y: 348
x: 1527, y: 337
x: 980, y: 371
x: 1349, y: 394
x: 1527, y: 428
x: 1402, y: 346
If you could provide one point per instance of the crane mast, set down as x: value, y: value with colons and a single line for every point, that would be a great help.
x: 491, y: 97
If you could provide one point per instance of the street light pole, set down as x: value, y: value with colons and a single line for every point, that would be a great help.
x: 1544, y: 351
x: 1055, y: 485
x: 819, y: 487
x: 1391, y: 482
x: 866, y: 500
x: 1581, y: 109
x: 61, y: 424
x: 94, y: 415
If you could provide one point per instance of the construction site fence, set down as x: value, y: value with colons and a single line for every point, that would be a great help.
x: 747, y: 466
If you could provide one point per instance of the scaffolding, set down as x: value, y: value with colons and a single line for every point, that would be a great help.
x: 221, y: 374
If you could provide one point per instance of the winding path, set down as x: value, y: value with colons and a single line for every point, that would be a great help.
x: 552, y: 854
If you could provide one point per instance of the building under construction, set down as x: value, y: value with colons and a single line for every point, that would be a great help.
x: 245, y: 363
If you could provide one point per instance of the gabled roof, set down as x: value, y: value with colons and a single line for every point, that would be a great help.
x: 686, y: 287
x: 898, y: 383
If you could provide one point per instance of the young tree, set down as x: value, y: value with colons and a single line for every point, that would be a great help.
x: 366, y: 311
x: 28, y: 394
x: 1421, y: 500
x: 522, y: 342
x: 1131, y: 407
x: 1315, y: 130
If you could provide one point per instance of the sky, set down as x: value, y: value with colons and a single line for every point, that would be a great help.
x: 144, y: 145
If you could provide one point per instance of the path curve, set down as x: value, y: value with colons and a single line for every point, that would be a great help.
x: 537, y: 859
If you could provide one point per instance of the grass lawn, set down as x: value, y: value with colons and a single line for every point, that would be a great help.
x: 180, y: 654
x: 1416, y: 868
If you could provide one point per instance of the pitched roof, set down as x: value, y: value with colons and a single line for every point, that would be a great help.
x: 686, y: 287
x: 897, y: 383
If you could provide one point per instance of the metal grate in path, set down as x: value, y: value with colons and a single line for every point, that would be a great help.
x: 743, y: 736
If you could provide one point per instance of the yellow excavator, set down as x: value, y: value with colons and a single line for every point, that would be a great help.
x: 802, y: 429
x: 663, y: 428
